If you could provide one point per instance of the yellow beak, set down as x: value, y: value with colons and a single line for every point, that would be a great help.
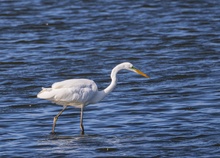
x: 141, y: 73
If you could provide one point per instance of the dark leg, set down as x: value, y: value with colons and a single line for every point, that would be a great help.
x: 81, y: 122
x: 56, y: 117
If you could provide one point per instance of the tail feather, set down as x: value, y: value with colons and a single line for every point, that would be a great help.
x: 45, y: 93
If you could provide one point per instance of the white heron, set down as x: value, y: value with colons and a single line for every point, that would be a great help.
x: 81, y: 92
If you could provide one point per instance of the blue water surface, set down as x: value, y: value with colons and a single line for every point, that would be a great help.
x: 175, y: 113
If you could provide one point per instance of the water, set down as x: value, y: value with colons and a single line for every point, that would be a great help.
x: 175, y: 113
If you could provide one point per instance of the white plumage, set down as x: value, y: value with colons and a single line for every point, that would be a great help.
x: 73, y: 92
x: 81, y: 92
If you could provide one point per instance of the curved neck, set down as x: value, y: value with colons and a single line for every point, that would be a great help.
x: 113, y: 82
x: 101, y: 94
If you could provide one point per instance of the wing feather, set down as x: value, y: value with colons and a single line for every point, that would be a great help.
x: 70, y: 92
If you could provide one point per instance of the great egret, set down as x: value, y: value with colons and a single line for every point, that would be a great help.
x: 81, y: 92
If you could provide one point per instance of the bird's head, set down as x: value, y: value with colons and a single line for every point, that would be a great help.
x: 130, y: 67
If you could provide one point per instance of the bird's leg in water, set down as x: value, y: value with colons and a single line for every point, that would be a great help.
x: 56, y: 117
x: 81, y: 122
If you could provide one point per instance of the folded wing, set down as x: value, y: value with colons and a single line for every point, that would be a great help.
x: 75, y: 92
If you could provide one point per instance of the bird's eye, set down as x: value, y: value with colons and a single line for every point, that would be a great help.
x: 132, y: 67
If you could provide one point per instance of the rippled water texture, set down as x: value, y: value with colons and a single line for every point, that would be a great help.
x: 175, y: 113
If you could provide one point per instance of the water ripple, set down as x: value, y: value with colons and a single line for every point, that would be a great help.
x: 175, y: 113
